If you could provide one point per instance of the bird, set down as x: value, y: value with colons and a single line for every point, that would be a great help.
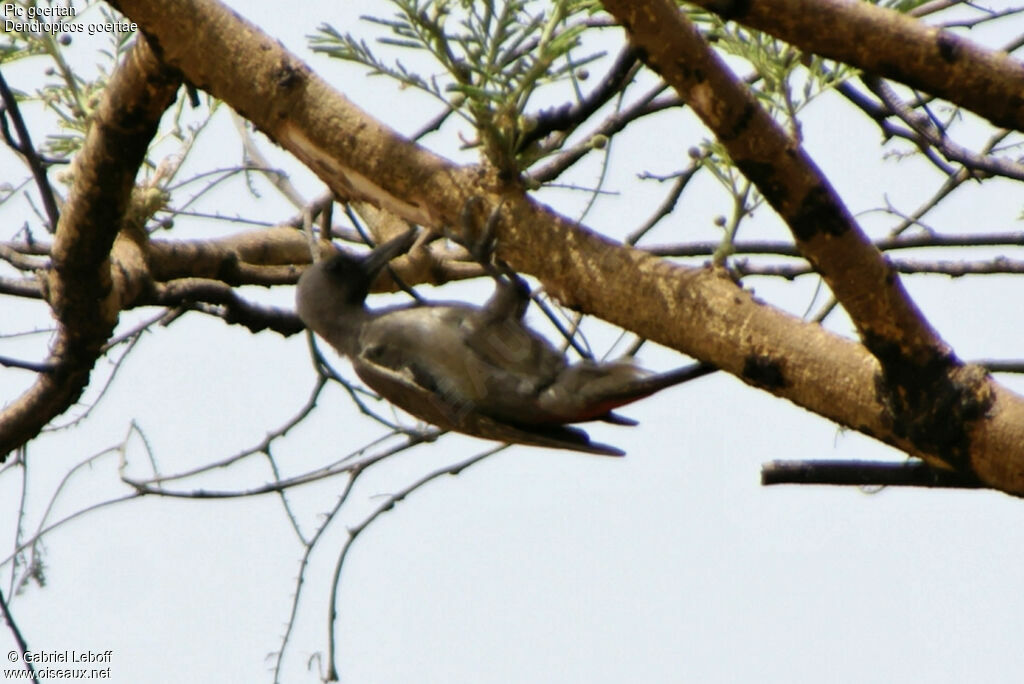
x: 478, y: 370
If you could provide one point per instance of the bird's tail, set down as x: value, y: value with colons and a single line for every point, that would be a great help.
x: 645, y: 387
x: 593, y: 392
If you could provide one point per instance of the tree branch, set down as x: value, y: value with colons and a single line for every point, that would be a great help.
x: 698, y: 311
x: 232, y: 308
x: 890, y: 44
x: 949, y: 267
x: 24, y: 147
x: 927, y: 134
x: 825, y: 231
x: 568, y: 117
x: 79, y: 285
x: 864, y: 474
x: 927, y: 394
x: 19, y: 638
x: 691, y: 249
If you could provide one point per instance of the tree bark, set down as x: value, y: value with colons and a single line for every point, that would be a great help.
x: 698, y: 311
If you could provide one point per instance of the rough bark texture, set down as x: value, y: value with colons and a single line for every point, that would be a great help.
x: 887, y: 43
x: 80, y: 286
x: 697, y: 311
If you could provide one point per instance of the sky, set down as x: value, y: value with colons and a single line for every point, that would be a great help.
x: 672, y: 564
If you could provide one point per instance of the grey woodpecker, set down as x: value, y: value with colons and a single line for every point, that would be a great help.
x: 476, y: 370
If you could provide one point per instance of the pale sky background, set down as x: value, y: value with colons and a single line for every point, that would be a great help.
x: 672, y: 564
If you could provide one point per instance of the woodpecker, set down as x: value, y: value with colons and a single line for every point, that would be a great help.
x: 477, y: 370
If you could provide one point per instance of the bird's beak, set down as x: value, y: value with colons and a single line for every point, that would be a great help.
x: 383, y: 253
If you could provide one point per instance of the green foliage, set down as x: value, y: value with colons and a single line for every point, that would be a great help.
x: 494, y: 57
x: 784, y: 80
x: 66, y: 92
x: 62, y: 105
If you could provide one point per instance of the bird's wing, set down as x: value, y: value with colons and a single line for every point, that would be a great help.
x: 419, y: 392
x: 453, y: 350
x: 524, y: 360
x: 418, y: 360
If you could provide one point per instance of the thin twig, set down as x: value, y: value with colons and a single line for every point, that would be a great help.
x: 304, y: 565
x: 354, y: 533
x: 18, y: 637
x: 25, y: 147
x: 35, y: 366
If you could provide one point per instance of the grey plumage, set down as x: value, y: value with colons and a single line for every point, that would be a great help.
x: 476, y: 370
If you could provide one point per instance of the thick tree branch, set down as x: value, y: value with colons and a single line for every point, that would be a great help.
x: 21, y: 287
x: 864, y: 474
x: 699, y: 311
x: 826, y: 232
x: 928, y: 395
x: 80, y: 285
x: 890, y: 44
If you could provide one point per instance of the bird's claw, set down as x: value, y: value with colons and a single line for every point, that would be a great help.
x: 480, y: 241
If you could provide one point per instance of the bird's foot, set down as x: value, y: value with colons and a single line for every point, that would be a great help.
x: 513, y: 293
x: 479, y: 240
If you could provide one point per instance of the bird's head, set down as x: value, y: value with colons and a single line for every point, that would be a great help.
x: 344, y: 279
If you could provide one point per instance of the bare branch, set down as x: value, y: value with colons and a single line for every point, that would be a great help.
x: 21, y: 287
x: 912, y: 473
x: 79, y: 286
x: 648, y: 104
x: 928, y: 135
x: 19, y: 639
x: 918, y: 241
x: 360, y: 158
x: 668, y: 204
x: 233, y: 308
x: 786, y: 176
x: 948, y: 267
x: 43, y: 367
x: 568, y: 118
x: 28, y: 151
x: 355, y: 531
x: 890, y: 44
